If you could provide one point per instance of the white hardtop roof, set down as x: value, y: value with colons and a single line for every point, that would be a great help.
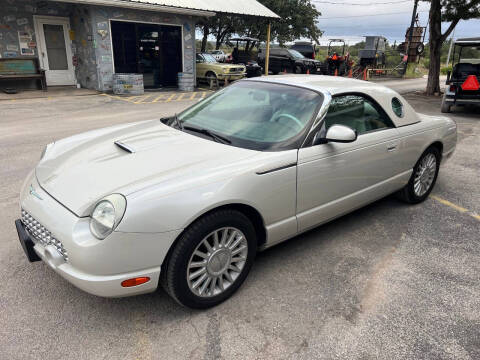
x: 190, y: 7
x: 336, y: 85
x: 333, y: 84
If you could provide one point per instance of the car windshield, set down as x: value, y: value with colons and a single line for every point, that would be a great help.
x: 216, y: 52
x: 296, y: 54
x: 255, y: 115
x: 209, y: 58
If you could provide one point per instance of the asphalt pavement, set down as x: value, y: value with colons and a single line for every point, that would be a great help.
x: 389, y: 281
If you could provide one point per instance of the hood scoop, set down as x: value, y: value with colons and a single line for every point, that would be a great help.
x: 125, y: 147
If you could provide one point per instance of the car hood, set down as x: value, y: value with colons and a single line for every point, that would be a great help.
x: 79, y: 171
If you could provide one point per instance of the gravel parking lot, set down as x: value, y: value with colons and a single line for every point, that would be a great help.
x: 389, y: 281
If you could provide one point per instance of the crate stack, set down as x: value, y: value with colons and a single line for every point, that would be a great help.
x: 185, y: 81
x: 128, y: 84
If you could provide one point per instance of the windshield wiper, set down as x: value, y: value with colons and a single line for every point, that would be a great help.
x: 213, y: 135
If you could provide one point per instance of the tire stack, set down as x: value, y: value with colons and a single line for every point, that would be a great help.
x: 185, y: 81
x: 128, y: 84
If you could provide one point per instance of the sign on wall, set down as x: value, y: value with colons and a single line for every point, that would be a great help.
x: 25, y: 39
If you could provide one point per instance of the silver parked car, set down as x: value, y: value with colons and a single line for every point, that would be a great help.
x: 187, y: 201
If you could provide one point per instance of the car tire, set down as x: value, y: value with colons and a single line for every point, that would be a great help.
x: 446, y: 107
x: 423, y: 177
x: 178, y: 274
x: 298, y: 69
x: 211, y: 76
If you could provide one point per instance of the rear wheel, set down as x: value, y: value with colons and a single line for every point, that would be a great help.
x: 423, y: 177
x: 298, y: 69
x: 446, y: 107
x: 210, y: 260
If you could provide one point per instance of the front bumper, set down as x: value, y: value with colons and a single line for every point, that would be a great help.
x: 95, y: 266
x: 231, y: 76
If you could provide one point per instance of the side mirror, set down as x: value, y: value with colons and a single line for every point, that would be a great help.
x: 341, y: 134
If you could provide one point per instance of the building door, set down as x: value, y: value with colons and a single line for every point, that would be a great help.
x: 54, y: 50
x: 150, y: 49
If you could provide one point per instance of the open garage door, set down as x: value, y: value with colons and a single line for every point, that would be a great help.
x: 149, y: 49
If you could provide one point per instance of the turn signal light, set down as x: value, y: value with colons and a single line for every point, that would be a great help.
x: 135, y: 281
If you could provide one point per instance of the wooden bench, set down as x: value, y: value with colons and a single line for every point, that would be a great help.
x: 22, y: 69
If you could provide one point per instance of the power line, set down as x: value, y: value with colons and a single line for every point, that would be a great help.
x: 357, y: 16
x: 357, y: 4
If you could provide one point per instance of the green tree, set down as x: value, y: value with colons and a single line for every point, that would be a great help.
x: 298, y: 19
x: 449, y: 11
x: 220, y: 26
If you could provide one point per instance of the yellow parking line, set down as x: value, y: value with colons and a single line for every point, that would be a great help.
x: 204, y: 93
x: 181, y: 96
x: 170, y: 98
x: 476, y: 216
x: 456, y: 207
x: 192, y: 96
x: 158, y: 98
x: 142, y: 99
x: 448, y: 203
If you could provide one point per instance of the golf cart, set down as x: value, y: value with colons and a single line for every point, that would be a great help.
x: 373, y: 54
x: 462, y: 86
x: 337, y: 63
x: 245, y: 55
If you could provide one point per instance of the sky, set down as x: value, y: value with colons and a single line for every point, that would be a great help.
x: 341, y: 19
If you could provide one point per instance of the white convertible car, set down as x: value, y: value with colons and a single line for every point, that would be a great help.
x: 187, y: 201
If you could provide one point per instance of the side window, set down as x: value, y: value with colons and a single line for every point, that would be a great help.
x: 358, y: 113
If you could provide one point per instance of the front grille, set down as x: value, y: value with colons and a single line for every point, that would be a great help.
x: 41, y: 234
x: 239, y: 69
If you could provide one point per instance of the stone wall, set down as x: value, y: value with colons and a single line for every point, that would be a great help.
x: 91, y: 43
x: 83, y: 47
x: 16, y: 21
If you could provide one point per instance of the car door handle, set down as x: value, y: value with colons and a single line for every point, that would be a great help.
x: 392, y: 148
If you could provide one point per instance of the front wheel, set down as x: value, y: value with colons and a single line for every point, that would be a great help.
x: 423, y: 177
x: 210, y: 260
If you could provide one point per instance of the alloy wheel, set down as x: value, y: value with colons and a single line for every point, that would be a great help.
x: 425, y: 175
x: 217, y: 262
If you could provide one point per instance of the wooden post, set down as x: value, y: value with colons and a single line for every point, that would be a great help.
x: 267, y: 53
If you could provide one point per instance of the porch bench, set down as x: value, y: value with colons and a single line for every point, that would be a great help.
x: 22, y: 69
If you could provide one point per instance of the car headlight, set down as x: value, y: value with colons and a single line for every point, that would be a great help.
x: 107, y: 214
x: 45, y: 150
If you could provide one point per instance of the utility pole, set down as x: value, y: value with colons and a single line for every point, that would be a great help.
x: 410, y: 35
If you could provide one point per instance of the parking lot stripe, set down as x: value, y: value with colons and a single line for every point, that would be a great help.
x: 456, y: 207
x: 181, y: 96
x: 193, y: 95
x: 142, y: 100
x: 170, y: 98
x: 448, y: 203
x: 158, y: 98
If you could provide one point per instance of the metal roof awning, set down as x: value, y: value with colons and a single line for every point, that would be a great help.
x: 190, y: 7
